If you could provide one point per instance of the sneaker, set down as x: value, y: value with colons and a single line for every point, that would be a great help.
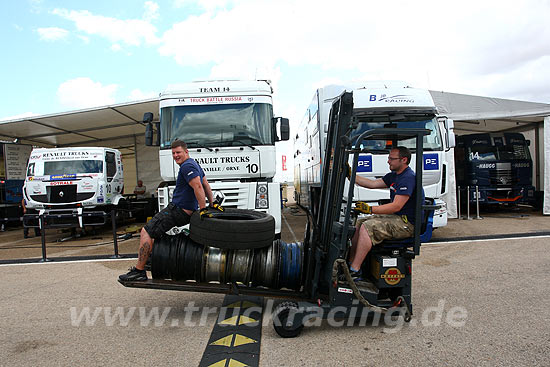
x: 134, y: 275
x: 356, y: 276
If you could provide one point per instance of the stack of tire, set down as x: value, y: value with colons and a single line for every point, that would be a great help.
x: 233, y: 246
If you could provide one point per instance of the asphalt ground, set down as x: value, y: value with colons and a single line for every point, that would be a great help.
x: 475, y: 303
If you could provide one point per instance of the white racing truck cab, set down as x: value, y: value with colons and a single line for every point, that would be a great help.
x: 79, y: 185
x: 395, y: 104
x: 230, y: 131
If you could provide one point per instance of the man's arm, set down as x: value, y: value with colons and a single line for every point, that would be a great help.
x: 393, y: 207
x: 208, y: 191
x: 139, y: 190
x: 369, y: 183
x: 196, y: 184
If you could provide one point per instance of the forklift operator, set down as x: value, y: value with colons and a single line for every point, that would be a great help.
x: 394, y: 220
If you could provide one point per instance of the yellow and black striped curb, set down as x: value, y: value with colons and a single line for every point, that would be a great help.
x: 235, y: 339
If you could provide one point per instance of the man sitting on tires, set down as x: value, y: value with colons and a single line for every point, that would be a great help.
x: 190, y: 194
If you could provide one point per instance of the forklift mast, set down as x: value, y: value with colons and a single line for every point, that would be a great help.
x: 333, y: 226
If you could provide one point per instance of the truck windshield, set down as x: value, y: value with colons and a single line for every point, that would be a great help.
x: 217, y: 125
x: 73, y: 167
x: 431, y: 142
x: 492, y: 153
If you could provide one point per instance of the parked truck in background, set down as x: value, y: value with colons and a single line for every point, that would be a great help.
x: 394, y: 104
x: 231, y: 132
x: 76, y: 186
x: 498, y: 164
x: 13, y: 160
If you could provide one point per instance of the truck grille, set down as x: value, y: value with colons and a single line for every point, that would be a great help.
x: 62, y: 195
x: 236, y: 195
x: 503, y: 176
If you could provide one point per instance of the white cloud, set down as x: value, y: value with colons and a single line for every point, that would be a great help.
x: 441, y: 45
x: 465, y: 47
x: 116, y: 47
x: 52, y: 33
x: 151, y: 11
x: 527, y: 81
x: 84, y: 92
x: 133, y: 32
x: 208, y: 5
x: 84, y: 39
x: 332, y: 36
x: 180, y: 3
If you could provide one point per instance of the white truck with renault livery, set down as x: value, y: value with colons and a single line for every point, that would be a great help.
x: 394, y: 104
x: 74, y: 186
x: 230, y: 131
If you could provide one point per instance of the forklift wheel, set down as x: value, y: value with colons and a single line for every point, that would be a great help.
x: 281, y: 318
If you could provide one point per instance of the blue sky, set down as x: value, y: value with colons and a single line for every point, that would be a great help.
x: 65, y: 55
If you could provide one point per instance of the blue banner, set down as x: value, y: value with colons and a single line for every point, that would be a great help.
x: 431, y: 162
x: 365, y: 163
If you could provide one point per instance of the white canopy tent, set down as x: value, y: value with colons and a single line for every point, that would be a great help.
x: 474, y: 114
x: 116, y: 126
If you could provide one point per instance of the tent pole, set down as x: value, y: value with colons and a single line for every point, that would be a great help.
x: 546, y: 146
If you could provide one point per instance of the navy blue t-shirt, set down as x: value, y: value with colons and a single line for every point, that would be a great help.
x: 403, y: 184
x: 184, y: 195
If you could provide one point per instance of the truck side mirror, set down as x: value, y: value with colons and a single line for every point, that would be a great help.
x: 147, y: 117
x: 285, y: 129
x: 451, y: 139
x: 149, y: 131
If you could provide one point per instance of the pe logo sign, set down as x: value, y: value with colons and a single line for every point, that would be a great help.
x: 431, y: 162
x: 365, y: 163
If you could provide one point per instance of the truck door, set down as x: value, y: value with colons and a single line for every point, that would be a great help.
x: 110, y: 164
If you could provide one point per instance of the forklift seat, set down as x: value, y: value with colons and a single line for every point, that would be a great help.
x: 425, y: 230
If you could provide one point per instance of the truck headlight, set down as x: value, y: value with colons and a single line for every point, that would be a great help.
x: 262, y: 201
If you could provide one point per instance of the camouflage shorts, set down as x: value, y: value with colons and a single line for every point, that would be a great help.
x: 382, y: 227
x: 163, y: 221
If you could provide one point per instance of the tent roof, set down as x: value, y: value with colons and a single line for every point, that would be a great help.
x: 107, y: 126
x: 483, y: 114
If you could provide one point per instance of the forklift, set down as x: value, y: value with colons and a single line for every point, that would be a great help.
x: 308, y: 274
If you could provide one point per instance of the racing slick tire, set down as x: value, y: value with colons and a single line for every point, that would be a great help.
x: 234, y: 229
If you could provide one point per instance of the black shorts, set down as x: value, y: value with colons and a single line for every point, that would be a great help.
x: 166, y: 219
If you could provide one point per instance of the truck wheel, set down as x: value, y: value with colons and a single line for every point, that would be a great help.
x: 235, y: 229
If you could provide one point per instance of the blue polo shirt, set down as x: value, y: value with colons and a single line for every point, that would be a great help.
x: 404, y: 184
x: 184, y: 195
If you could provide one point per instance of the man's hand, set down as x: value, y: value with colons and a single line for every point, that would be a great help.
x: 218, y: 207
x: 363, y: 207
x: 204, y: 213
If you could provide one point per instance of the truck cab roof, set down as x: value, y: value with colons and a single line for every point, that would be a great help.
x: 218, y: 87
